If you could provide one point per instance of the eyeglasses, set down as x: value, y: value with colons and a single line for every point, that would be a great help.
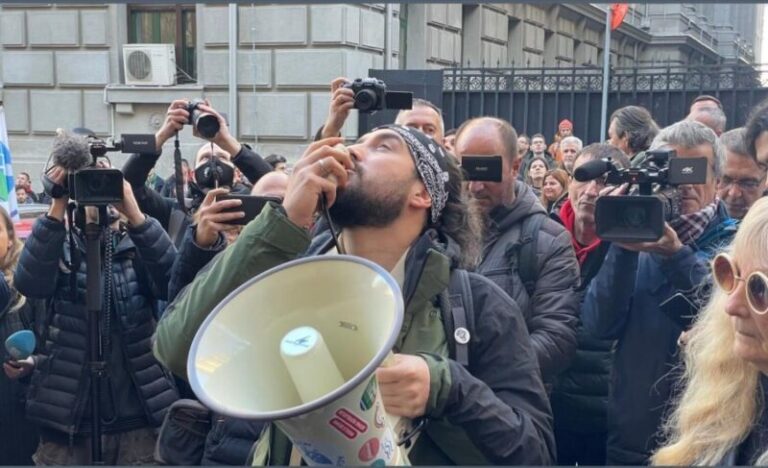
x: 749, y: 185
x: 727, y: 278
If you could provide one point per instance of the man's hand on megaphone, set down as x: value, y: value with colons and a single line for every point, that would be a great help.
x: 320, y: 171
x: 15, y: 370
x: 404, y: 385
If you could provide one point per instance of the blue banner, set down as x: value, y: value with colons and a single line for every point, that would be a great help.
x: 7, y: 181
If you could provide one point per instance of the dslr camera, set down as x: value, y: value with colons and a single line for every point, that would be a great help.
x: 207, y: 125
x: 96, y: 186
x: 371, y: 95
x: 640, y: 216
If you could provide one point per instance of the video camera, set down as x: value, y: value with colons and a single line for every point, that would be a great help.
x: 87, y: 183
x: 640, y: 216
x: 371, y: 95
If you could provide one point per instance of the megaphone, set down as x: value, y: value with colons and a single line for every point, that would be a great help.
x: 299, y: 345
x: 21, y: 344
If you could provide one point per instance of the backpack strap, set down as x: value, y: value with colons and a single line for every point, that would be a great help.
x: 458, y: 316
x: 526, y: 255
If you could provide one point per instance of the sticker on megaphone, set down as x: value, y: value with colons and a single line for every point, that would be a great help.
x: 21, y: 344
x: 356, y: 430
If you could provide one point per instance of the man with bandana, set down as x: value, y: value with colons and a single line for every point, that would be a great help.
x: 645, y: 294
x: 397, y: 198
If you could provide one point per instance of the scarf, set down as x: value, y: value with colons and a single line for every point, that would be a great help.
x: 690, y: 226
x: 568, y: 216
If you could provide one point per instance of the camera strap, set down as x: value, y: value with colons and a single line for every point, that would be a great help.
x: 179, y: 175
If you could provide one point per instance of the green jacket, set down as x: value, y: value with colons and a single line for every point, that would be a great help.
x: 501, y: 405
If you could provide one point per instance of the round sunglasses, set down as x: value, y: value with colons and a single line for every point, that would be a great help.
x: 727, y: 278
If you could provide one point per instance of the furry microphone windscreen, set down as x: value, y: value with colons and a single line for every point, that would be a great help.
x: 71, y: 152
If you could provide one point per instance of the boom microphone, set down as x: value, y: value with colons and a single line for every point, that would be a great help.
x: 71, y: 152
x: 592, y: 170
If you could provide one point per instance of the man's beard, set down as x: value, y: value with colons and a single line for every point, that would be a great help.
x: 356, y: 207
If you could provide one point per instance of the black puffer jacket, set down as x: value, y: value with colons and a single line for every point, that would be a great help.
x: 60, y: 384
x: 551, y: 314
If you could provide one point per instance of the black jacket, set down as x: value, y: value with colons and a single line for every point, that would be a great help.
x: 59, y: 391
x: 580, y: 395
x: 551, y: 313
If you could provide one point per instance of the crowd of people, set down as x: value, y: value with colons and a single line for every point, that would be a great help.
x: 580, y: 352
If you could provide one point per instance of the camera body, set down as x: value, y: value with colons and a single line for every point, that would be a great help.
x: 97, y: 186
x: 207, y: 125
x: 640, y: 216
x: 371, y: 95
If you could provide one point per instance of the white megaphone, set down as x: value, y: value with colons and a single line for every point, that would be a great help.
x: 298, y: 345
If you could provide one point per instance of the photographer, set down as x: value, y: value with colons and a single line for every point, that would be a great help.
x: 423, y: 115
x: 633, y: 299
x: 135, y: 391
x: 220, y: 156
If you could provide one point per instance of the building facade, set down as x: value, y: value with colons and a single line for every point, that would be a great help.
x: 61, y: 66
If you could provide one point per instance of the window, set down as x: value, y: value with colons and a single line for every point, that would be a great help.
x: 167, y: 24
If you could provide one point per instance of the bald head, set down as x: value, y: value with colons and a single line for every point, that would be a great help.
x: 272, y: 184
x: 204, y: 154
x: 496, y: 129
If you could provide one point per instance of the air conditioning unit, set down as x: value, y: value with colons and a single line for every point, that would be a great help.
x: 149, y: 64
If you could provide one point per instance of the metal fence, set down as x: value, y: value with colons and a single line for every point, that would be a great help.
x: 534, y: 100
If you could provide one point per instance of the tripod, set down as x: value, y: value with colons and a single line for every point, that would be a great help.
x: 94, y: 306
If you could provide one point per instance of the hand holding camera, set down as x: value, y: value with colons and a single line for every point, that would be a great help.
x: 206, y: 123
x: 212, y: 219
x: 342, y: 101
x: 175, y: 118
x: 320, y: 171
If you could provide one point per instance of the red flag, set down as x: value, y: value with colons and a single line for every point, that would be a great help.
x: 618, y: 12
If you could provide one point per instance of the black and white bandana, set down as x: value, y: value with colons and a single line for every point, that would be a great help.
x: 431, y: 162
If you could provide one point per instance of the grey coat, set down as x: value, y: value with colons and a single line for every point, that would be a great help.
x: 551, y: 314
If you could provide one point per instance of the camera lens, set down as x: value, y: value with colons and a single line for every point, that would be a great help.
x: 365, y: 100
x: 634, y: 217
x: 207, y: 125
x: 97, y: 183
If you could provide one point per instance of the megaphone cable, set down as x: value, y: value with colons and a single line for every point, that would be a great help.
x: 331, y: 227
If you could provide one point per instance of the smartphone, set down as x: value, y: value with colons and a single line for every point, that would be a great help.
x: 252, y: 206
x: 482, y: 168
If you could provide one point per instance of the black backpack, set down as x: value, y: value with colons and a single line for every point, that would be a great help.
x: 457, y: 306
